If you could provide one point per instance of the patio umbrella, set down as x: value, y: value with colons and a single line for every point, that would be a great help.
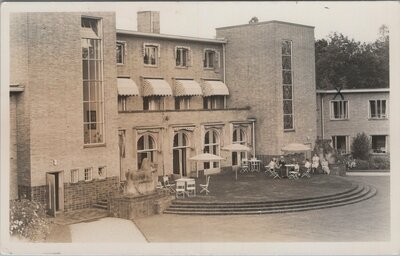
x: 295, y: 148
x: 236, y: 148
x: 205, y: 157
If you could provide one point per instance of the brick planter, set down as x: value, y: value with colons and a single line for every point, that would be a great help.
x: 139, y: 206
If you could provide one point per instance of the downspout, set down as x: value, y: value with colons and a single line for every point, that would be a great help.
x: 223, y: 53
x: 322, y: 116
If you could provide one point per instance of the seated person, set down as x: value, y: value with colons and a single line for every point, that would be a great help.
x: 281, y: 163
x: 315, y: 163
x: 325, y: 166
x: 307, y: 166
x: 272, y: 165
x: 297, y: 168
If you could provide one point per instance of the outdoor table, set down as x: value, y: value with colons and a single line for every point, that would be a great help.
x: 185, y: 179
x: 287, y: 168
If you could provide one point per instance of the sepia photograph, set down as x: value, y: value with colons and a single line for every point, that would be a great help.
x: 200, y: 128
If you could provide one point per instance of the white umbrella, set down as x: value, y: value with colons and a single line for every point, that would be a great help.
x: 296, y: 147
x: 236, y: 148
x: 205, y: 157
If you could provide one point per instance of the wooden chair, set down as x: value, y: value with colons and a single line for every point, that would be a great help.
x: 168, y: 185
x: 180, y: 189
x: 204, y: 187
x: 191, y: 188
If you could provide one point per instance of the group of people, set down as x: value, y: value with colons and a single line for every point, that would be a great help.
x: 281, y: 165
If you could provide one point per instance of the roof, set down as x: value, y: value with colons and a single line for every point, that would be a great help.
x: 267, y: 22
x: 366, y: 90
x: 127, y: 87
x: 174, y: 37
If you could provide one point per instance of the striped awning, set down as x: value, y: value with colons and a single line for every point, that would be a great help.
x: 187, y: 88
x: 213, y: 87
x: 156, y: 87
x: 127, y: 87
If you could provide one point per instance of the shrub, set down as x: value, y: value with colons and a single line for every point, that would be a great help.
x: 361, y: 146
x: 381, y: 162
x: 361, y: 164
x: 28, y: 219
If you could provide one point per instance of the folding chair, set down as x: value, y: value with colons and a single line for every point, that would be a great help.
x: 293, y: 175
x: 244, y: 167
x: 272, y: 172
x: 307, y: 173
x: 159, y: 185
x: 180, y: 189
x: 168, y: 185
x: 191, y: 188
x: 204, y: 187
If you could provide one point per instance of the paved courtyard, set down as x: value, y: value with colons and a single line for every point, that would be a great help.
x: 364, y: 221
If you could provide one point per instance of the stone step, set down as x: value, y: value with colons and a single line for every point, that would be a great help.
x: 178, y: 204
x: 365, y: 194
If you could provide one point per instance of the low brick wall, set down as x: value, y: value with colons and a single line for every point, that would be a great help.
x: 85, y: 193
x: 139, y: 206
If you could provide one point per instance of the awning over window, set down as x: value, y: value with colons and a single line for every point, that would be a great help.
x: 212, y: 87
x: 187, y: 88
x: 156, y: 87
x: 127, y: 87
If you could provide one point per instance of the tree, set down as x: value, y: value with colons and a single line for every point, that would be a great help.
x: 346, y: 63
x: 253, y: 20
x: 361, y: 147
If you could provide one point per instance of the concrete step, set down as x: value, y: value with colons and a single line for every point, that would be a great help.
x: 366, y: 193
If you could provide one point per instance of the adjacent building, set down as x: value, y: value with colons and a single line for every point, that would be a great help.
x: 89, y: 102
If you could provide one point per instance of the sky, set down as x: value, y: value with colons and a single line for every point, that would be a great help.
x: 359, y: 20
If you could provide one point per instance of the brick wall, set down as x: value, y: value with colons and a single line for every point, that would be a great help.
x: 254, y: 76
x: 13, y: 147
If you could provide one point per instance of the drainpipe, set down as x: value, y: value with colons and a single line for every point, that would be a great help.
x: 223, y: 53
x: 322, y: 116
x: 253, y: 120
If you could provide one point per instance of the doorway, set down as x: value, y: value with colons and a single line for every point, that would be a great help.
x: 180, y: 154
x: 55, y: 189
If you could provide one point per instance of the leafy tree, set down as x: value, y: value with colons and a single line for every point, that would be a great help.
x: 361, y: 146
x: 344, y: 62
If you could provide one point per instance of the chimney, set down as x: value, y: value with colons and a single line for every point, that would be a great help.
x: 148, y: 21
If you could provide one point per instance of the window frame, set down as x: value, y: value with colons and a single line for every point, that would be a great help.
x: 188, y: 56
x: 182, y: 101
x: 216, y: 62
x: 100, y: 169
x: 74, y: 174
x: 379, y: 116
x: 284, y: 84
x: 157, y: 54
x: 211, y: 102
x: 211, y: 146
x: 88, y: 172
x: 332, y: 109
x: 240, y: 131
x: 122, y: 102
x: 347, y: 141
x: 386, y: 143
x: 123, y: 52
x: 146, y: 149
x: 150, y: 101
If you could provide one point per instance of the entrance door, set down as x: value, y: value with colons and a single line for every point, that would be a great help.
x: 179, y: 154
x: 55, y: 188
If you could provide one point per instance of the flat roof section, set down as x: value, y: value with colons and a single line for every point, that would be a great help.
x: 267, y: 22
x: 365, y: 90
x: 173, y: 37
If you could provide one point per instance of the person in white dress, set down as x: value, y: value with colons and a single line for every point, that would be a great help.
x: 325, y: 166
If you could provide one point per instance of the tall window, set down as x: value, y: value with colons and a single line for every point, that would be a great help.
x: 102, y: 172
x: 151, y: 54
x: 181, y: 144
x: 182, y: 102
x: 211, y: 145
x: 146, y: 148
x: 339, y: 110
x: 182, y: 56
x: 377, y: 109
x: 239, y: 137
x: 210, y: 59
x: 88, y: 174
x: 74, y: 176
x: 379, y: 143
x: 341, y: 144
x: 122, y: 102
x: 287, y: 81
x: 92, y: 72
x: 153, y: 103
x: 120, y: 52
x: 214, y: 102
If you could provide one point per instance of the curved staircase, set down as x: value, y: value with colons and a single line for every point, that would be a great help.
x: 357, y: 193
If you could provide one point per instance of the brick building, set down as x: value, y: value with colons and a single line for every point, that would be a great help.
x: 89, y: 102
x: 360, y: 110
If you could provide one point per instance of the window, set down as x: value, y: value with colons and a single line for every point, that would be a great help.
x: 377, y: 109
x: 146, y: 148
x: 92, y: 74
x: 210, y: 58
x: 102, y: 172
x: 239, y: 137
x: 182, y: 102
x: 379, y: 143
x: 341, y: 144
x: 74, y: 176
x: 211, y: 145
x: 151, y: 54
x: 121, y: 52
x: 214, y: 102
x: 339, y: 110
x: 88, y: 174
x: 287, y: 82
x: 153, y: 103
x: 122, y: 103
x: 182, y: 56
x: 180, y: 153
